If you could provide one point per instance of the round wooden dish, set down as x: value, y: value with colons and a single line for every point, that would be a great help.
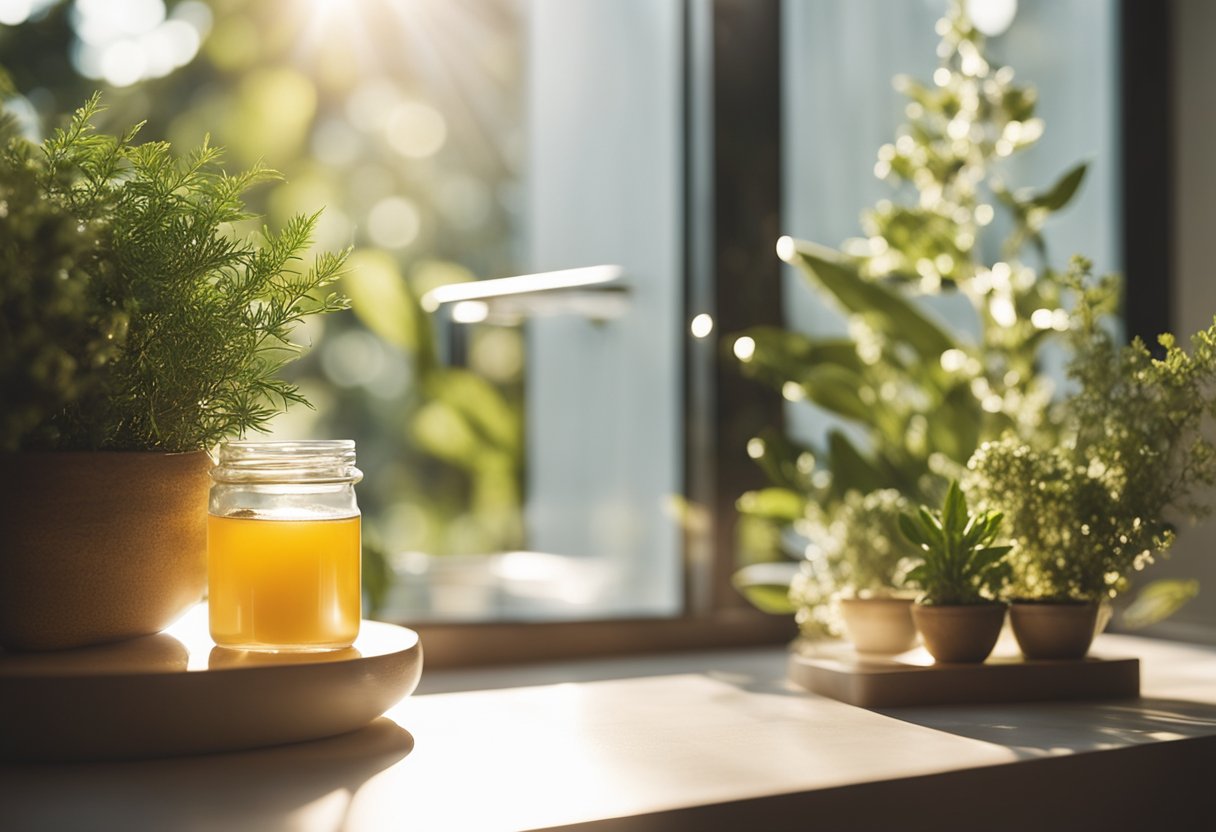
x: 175, y: 692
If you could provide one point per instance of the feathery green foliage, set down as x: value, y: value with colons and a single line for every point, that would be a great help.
x: 1093, y: 509
x: 959, y: 563
x: 53, y: 335
x: 165, y: 328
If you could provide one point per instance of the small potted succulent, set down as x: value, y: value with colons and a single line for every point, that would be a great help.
x: 138, y: 330
x: 961, y: 576
x: 853, y: 570
x: 1090, y: 510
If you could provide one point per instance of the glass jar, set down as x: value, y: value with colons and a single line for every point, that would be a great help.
x: 283, y: 546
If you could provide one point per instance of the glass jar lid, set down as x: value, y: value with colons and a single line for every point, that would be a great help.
x: 321, y: 461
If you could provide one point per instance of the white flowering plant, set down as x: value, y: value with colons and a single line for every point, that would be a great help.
x: 856, y: 550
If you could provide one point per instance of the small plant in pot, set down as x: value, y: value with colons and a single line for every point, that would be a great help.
x: 961, y: 576
x: 138, y: 330
x: 851, y: 576
x: 1089, y: 512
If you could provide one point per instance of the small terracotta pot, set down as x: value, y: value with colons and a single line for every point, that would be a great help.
x: 879, y: 625
x: 959, y: 633
x: 1047, y: 630
x: 99, y: 546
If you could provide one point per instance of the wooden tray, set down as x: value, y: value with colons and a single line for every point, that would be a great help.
x: 177, y: 693
x: 912, y: 678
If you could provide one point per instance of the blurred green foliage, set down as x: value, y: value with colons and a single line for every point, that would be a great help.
x: 407, y: 128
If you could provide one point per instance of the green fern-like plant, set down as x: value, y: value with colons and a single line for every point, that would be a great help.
x: 166, y: 327
x: 960, y: 564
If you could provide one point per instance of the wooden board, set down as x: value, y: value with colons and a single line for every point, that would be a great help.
x: 177, y: 693
x: 912, y: 678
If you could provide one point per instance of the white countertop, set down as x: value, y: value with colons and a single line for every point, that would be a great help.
x: 656, y: 743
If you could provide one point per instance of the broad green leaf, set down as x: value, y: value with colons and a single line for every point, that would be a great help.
x: 954, y: 426
x: 954, y: 512
x: 758, y: 540
x: 992, y: 525
x: 495, y: 486
x: 779, y: 458
x: 792, y: 352
x: 767, y: 586
x: 972, y: 530
x: 835, y: 388
x: 912, y: 531
x: 776, y: 503
x: 1062, y: 192
x: 850, y: 470
x: 382, y: 299
x: 1158, y: 601
x: 445, y: 433
x: 481, y: 405
x: 885, y: 309
x: 984, y: 559
x: 932, y: 527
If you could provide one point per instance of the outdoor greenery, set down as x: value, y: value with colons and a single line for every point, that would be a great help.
x: 175, y: 324
x: 1100, y: 504
x: 959, y: 563
x: 911, y: 397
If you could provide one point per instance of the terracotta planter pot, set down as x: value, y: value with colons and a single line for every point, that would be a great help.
x: 99, y: 546
x: 962, y: 633
x: 879, y: 625
x: 1053, y: 631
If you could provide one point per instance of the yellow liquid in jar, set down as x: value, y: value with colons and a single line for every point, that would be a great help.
x: 283, y: 584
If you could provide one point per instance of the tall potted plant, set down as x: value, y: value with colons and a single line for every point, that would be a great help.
x: 917, y: 395
x: 139, y: 329
x: 1100, y: 505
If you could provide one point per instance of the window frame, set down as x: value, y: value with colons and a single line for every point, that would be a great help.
x: 1146, y: 121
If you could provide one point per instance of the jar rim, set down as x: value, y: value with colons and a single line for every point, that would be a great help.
x: 286, y: 447
x: 311, y: 460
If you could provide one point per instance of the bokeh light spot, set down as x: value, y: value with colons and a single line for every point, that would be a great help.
x: 416, y: 130
x: 15, y: 12
x: 394, y: 222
